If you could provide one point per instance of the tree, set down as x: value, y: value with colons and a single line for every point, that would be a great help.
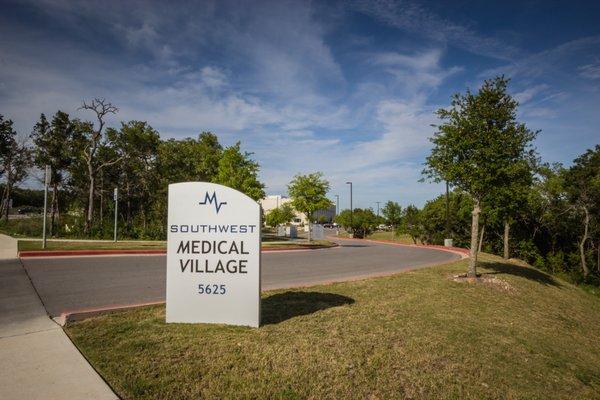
x: 432, y: 219
x: 309, y: 194
x: 411, y: 223
x: 506, y: 202
x: 281, y: 215
x: 362, y: 222
x: 94, y: 140
x: 15, y: 159
x: 53, y: 147
x: 582, y: 184
x: 476, y: 146
x: 238, y: 171
x: 392, y: 212
x: 190, y: 159
x: 136, y: 145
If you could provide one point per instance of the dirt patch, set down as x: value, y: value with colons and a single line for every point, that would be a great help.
x: 488, y: 280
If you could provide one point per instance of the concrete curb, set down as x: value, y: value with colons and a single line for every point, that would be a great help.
x: 79, y: 253
x: 67, y: 317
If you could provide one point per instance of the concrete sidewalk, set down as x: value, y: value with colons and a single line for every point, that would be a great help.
x: 37, y: 359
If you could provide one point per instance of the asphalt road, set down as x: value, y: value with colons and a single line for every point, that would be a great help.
x: 70, y: 284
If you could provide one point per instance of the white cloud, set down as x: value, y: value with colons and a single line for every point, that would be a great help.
x: 590, y: 71
x: 529, y: 93
x: 213, y: 77
x: 418, y: 70
x: 412, y: 17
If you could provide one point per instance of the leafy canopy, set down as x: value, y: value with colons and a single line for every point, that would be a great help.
x: 238, y: 171
x: 308, y: 193
x: 480, y: 144
x: 392, y: 212
x: 281, y: 215
x: 362, y: 222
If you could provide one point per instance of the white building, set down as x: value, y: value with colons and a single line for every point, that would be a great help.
x: 275, y: 201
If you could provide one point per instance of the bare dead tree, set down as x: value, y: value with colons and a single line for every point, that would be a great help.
x: 101, y: 108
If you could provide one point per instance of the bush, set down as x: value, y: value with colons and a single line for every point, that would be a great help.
x: 362, y: 222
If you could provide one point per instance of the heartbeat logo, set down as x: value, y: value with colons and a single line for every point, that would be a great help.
x: 213, y: 200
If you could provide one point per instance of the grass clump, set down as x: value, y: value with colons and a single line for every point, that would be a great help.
x: 414, y: 335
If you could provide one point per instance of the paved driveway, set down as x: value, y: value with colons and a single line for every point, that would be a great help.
x: 69, y: 284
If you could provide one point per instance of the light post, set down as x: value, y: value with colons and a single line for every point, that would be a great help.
x: 116, y: 199
x: 351, y: 210
x: 337, y: 204
x: 378, y: 207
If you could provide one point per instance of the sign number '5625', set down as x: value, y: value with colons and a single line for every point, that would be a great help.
x: 211, y: 289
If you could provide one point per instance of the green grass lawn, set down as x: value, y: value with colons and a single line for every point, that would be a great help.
x: 386, y: 235
x: 33, y: 245
x: 413, y: 335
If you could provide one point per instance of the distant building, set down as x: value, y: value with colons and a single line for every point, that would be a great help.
x: 275, y: 201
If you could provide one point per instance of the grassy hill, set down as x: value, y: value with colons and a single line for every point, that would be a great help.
x: 415, y: 335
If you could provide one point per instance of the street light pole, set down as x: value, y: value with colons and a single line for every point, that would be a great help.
x: 116, y: 199
x: 351, y: 209
x: 378, y: 207
x: 337, y: 204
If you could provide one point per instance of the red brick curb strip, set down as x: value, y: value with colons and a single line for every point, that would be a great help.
x: 67, y: 253
x: 464, y: 253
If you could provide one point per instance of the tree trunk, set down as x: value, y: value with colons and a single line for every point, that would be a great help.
x: 480, y: 245
x: 474, y: 236
x: 8, y: 193
x: 90, y: 210
x: 506, y: 236
x: 4, y: 203
x: 586, y: 224
x: 309, y: 236
x: 598, y: 256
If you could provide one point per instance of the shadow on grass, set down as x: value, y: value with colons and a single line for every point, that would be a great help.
x: 282, y: 306
x: 522, y: 271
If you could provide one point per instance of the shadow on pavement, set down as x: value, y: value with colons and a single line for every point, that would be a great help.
x: 522, y: 271
x: 355, y: 245
x: 282, y: 306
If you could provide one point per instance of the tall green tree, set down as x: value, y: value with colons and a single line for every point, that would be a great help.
x: 506, y: 202
x: 93, y: 141
x: 15, y: 160
x: 238, y: 171
x: 432, y: 219
x: 280, y: 215
x: 411, y: 223
x: 361, y: 221
x: 582, y: 184
x: 309, y: 194
x: 137, y: 145
x: 392, y: 213
x: 53, y: 147
x: 476, y: 145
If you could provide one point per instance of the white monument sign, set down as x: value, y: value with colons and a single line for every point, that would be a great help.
x: 213, y: 255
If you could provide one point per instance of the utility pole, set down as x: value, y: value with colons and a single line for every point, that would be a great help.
x: 378, y: 207
x: 46, y: 183
x: 351, y: 209
x: 116, y: 199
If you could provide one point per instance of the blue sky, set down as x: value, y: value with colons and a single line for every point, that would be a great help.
x: 346, y: 88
